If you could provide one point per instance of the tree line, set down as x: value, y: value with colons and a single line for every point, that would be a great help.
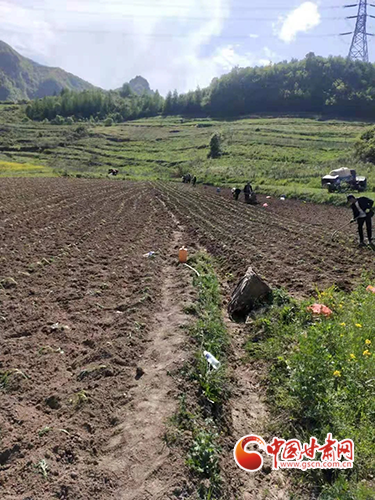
x: 315, y: 84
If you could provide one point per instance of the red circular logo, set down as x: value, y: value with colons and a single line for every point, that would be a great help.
x: 246, y: 459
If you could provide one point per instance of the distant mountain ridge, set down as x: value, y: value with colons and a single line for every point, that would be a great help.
x: 22, y: 78
x: 140, y: 85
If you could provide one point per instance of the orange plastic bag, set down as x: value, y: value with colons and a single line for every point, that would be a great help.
x: 371, y: 289
x: 320, y: 309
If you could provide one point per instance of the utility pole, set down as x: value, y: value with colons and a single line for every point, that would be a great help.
x: 359, y: 46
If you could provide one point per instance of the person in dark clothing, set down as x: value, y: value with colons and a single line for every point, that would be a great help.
x: 247, y: 190
x: 363, y: 213
x: 236, y: 193
x: 194, y: 181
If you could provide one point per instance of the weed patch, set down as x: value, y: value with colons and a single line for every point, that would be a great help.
x: 322, y: 378
x: 200, y: 414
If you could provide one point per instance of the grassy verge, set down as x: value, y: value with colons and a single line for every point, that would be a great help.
x: 322, y: 380
x: 12, y: 169
x: 197, y: 424
x: 313, y: 195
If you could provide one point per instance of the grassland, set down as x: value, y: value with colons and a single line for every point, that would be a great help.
x: 321, y: 380
x: 279, y: 155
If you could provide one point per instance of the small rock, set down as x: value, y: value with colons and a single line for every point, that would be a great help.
x: 267, y: 469
x: 122, y: 307
x: 249, y: 294
x: 139, y: 373
x: 73, y: 475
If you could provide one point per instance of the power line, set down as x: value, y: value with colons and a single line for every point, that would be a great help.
x: 174, y: 5
x: 171, y: 35
x: 180, y: 17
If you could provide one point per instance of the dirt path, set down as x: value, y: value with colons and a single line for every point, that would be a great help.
x: 249, y: 415
x: 147, y: 468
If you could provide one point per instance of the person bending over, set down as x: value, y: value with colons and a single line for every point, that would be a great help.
x: 363, y: 213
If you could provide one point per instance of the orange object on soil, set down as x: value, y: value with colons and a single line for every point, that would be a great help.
x: 371, y: 289
x: 182, y: 255
x: 320, y: 309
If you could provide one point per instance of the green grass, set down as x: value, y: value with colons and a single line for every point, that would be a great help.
x: 322, y: 379
x: 12, y: 169
x: 284, y: 155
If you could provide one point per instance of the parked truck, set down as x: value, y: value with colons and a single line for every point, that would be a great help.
x: 344, y: 179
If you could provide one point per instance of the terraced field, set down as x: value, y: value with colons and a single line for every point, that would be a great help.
x: 280, y: 155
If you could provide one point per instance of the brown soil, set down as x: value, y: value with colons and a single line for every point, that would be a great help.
x: 289, y: 243
x: 85, y: 311
x: 90, y: 328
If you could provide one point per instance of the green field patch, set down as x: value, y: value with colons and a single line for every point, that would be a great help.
x: 12, y: 169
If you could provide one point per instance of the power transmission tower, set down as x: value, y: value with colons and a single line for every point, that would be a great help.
x: 359, y: 46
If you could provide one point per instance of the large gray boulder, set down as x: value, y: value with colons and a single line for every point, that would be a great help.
x: 250, y: 293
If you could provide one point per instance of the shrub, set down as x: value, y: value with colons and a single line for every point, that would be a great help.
x: 58, y: 120
x: 108, y: 122
x: 70, y: 120
x: 365, y: 146
x: 215, y: 146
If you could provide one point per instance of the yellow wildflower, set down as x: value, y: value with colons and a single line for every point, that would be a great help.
x: 341, y: 306
x: 352, y: 356
x: 337, y: 373
x: 368, y: 342
x: 358, y: 325
x: 366, y: 353
x: 342, y: 324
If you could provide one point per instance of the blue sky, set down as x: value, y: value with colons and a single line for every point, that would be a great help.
x: 173, y: 43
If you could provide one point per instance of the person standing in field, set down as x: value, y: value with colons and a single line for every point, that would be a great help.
x: 236, y: 193
x: 194, y: 181
x: 247, y: 190
x: 363, y: 213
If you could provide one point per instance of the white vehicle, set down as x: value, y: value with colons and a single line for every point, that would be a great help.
x: 344, y: 179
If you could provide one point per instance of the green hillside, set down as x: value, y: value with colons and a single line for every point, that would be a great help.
x: 21, y: 78
x: 280, y: 155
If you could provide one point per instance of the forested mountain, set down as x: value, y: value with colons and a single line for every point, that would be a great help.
x: 21, y: 78
x: 315, y: 84
x: 333, y: 85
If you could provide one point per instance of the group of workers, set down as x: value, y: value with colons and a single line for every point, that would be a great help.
x: 362, y: 207
x: 248, y: 192
x: 188, y: 178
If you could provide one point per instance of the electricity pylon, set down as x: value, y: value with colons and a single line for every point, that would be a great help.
x: 359, y: 47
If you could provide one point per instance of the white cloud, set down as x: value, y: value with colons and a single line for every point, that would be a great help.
x: 110, y: 42
x: 302, y: 19
x: 253, y: 35
x: 25, y: 31
x: 226, y: 58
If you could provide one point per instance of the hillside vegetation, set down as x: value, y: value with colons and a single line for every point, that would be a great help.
x: 21, y: 78
x: 333, y: 86
x: 284, y: 155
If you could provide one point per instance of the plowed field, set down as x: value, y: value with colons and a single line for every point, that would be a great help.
x: 78, y: 299
x: 289, y: 242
